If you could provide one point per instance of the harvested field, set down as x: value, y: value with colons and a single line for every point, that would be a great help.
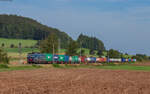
x: 74, y: 81
x: 143, y: 64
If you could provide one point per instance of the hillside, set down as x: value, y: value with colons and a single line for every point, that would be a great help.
x: 91, y: 42
x: 18, y: 27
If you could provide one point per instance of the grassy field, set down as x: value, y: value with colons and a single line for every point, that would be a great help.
x: 108, y: 67
x: 23, y: 67
x: 25, y: 43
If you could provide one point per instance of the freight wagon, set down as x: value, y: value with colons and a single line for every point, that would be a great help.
x: 38, y: 58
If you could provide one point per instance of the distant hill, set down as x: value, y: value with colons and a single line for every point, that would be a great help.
x: 90, y: 42
x: 18, y: 27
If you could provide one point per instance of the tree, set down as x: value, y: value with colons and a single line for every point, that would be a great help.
x: 12, y: 46
x: 3, y: 57
x: 140, y: 57
x: 20, y: 47
x: 90, y: 42
x: 82, y: 52
x: 3, y: 45
x: 100, y: 53
x: 114, y: 54
x: 50, y: 44
x: 37, y: 44
x: 92, y: 52
x: 20, y: 44
x: 72, y: 48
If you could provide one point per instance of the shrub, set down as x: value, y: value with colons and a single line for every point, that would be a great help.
x: 108, y: 64
x: 4, y: 66
x: 92, y: 52
x: 36, y: 66
x: 3, y: 57
x: 3, y: 45
x: 26, y: 47
x: 56, y: 65
x: 12, y: 46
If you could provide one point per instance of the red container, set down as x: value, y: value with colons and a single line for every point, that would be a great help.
x: 101, y: 60
x: 82, y: 58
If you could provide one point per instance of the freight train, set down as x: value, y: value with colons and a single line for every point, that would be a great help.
x: 39, y: 58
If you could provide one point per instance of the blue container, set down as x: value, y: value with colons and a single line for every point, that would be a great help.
x: 92, y: 59
x: 108, y: 60
x: 123, y: 60
x: 129, y: 60
x: 66, y: 58
x: 56, y: 58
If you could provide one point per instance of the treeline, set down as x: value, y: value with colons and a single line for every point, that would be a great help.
x: 91, y: 43
x: 18, y: 27
x: 141, y: 57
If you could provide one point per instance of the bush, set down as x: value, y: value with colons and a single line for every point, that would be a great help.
x: 3, y: 45
x: 4, y: 66
x: 109, y: 64
x: 3, y: 57
x: 12, y: 46
x: 56, y: 65
x: 26, y: 47
x: 36, y: 66
x: 92, y: 52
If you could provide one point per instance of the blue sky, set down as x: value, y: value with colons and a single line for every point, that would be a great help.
x: 121, y: 24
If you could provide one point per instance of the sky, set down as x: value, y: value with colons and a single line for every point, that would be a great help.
x: 121, y: 24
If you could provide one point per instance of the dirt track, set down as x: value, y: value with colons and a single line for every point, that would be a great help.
x: 74, y: 81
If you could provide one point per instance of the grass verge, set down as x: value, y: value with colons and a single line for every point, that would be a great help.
x: 111, y: 67
x: 4, y: 67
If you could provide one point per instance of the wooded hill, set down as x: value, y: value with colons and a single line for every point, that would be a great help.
x: 18, y: 27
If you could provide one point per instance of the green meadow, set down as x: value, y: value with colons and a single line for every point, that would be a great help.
x: 15, y: 42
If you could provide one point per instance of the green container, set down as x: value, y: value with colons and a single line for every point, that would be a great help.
x: 61, y: 58
x: 75, y: 58
x: 49, y: 57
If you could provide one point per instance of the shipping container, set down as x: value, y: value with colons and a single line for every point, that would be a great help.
x: 66, y: 59
x: 56, y: 58
x: 75, y: 59
x: 88, y: 59
x: 49, y: 58
x: 83, y: 59
x: 134, y: 60
x: 100, y: 60
x: 61, y: 58
x: 92, y: 59
x: 129, y: 60
x: 111, y: 60
x: 123, y: 60
x: 70, y: 59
